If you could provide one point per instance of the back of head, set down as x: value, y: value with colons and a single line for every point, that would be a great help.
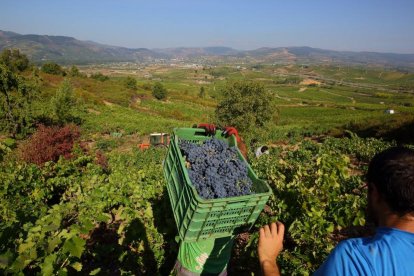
x: 392, y: 173
x: 264, y: 148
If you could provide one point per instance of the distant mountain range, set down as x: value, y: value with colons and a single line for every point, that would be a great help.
x: 64, y: 49
x: 68, y: 50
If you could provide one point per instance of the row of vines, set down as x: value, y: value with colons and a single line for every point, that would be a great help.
x: 76, y: 216
x: 319, y: 194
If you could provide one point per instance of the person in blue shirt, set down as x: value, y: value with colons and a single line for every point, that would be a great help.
x: 390, y: 180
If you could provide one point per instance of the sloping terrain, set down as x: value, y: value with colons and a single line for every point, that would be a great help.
x: 63, y: 49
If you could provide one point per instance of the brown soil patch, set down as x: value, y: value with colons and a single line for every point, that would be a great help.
x: 309, y: 82
x: 108, y: 103
x: 93, y: 111
x: 203, y: 82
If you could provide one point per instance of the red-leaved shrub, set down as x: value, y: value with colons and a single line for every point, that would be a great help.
x: 49, y: 143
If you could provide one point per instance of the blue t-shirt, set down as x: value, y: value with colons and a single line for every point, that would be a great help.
x: 389, y: 252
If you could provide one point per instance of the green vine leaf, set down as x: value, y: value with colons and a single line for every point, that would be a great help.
x: 74, y: 246
x: 47, y: 266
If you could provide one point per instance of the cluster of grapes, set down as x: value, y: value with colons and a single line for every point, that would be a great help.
x: 215, y: 170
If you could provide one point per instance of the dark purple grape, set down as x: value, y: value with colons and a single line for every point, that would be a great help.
x: 215, y: 169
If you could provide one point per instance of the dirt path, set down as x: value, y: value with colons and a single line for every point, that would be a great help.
x: 283, y: 98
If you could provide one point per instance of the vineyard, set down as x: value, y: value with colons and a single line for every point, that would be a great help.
x: 79, y: 216
x: 77, y: 196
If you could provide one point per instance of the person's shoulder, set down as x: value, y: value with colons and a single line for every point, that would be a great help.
x: 395, y: 232
x: 385, y: 236
x: 346, y: 259
x: 351, y: 244
x: 393, y: 240
x: 361, y: 256
x: 350, y: 249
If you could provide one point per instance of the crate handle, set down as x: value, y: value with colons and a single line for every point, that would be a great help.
x: 200, y: 132
x: 235, y: 203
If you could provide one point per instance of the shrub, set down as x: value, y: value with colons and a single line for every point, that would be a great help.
x: 74, y: 72
x: 158, y: 91
x: 16, y: 98
x: 99, y: 76
x: 202, y: 92
x: 49, y: 143
x: 246, y: 105
x: 53, y: 68
x: 130, y: 83
x: 63, y: 103
x: 14, y: 60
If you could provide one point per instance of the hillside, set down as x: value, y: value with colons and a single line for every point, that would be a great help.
x: 187, y: 52
x: 63, y: 49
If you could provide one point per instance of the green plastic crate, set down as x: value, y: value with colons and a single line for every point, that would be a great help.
x: 199, y: 218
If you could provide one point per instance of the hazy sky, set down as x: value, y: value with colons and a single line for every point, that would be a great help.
x: 358, y: 25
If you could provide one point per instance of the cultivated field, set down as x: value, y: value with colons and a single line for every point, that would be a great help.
x: 104, y: 208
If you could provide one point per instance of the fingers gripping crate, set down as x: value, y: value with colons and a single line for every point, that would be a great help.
x: 197, y: 218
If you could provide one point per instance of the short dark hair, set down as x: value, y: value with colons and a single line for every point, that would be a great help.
x: 264, y: 148
x: 392, y: 173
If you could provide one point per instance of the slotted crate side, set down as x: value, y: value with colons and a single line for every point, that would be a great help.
x: 197, y: 218
x: 177, y: 191
x: 204, y: 224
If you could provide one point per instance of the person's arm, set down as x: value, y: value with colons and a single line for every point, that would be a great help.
x: 209, y: 128
x: 228, y: 131
x: 270, y: 246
